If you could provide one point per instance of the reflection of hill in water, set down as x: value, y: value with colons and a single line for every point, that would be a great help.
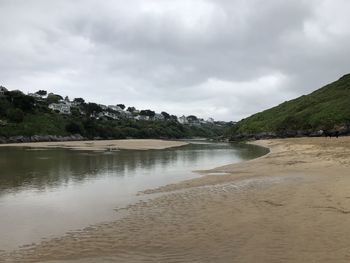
x: 51, y: 168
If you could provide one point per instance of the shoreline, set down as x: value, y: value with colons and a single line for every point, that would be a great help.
x: 291, y: 205
x: 102, y: 145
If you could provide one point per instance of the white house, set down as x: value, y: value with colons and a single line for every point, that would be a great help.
x: 142, y: 118
x: 103, y: 107
x: 210, y: 120
x: 2, y: 91
x: 182, y: 120
x: 60, y: 107
x: 115, y: 108
x: 108, y: 115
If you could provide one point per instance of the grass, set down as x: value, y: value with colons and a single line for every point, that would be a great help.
x: 325, y: 108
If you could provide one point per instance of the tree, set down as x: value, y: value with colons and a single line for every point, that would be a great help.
x: 41, y: 92
x: 173, y: 118
x: 92, y: 108
x: 147, y: 113
x: 192, y: 118
x: 166, y: 115
x: 74, y: 128
x: 122, y: 106
x: 53, y: 98
x: 15, y: 115
x: 21, y: 101
x: 79, y: 100
x: 131, y: 109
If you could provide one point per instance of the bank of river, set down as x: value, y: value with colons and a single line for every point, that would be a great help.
x: 291, y: 205
x: 45, y: 193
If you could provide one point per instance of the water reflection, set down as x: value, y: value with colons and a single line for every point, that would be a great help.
x: 42, y: 169
x: 49, y: 192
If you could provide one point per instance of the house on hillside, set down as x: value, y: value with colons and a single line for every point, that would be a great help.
x: 107, y: 115
x: 115, y: 108
x: 103, y: 107
x: 210, y: 120
x: 182, y: 119
x: 142, y: 118
x: 158, y: 117
x: 3, y: 90
x: 127, y: 115
x: 62, y: 108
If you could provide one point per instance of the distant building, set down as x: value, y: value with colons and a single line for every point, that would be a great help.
x: 3, y: 90
x: 115, y: 108
x: 182, y: 120
x: 210, y: 120
x: 103, y: 107
x: 109, y: 115
x: 142, y: 118
x: 61, y: 108
x: 158, y: 117
x: 127, y: 114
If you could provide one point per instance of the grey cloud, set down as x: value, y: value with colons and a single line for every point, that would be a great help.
x: 226, y: 59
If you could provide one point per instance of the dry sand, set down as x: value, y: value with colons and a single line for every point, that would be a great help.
x: 106, y: 145
x: 292, y: 205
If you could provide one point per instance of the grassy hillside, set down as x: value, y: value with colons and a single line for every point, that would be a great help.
x: 22, y: 115
x: 325, y: 108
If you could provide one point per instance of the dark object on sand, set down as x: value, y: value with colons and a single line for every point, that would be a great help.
x: 331, y: 134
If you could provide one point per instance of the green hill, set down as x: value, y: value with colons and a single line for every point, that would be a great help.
x: 30, y: 116
x: 327, y: 108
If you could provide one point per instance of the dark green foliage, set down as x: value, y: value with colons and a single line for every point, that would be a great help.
x: 131, y: 109
x: 15, y: 115
x: 166, y: 115
x: 75, y: 128
x: 22, y: 115
x: 322, y: 109
x: 148, y: 113
x: 122, y: 106
x: 21, y: 101
x: 53, y: 98
x: 92, y: 108
x: 192, y: 118
x: 79, y: 100
x: 41, y: 92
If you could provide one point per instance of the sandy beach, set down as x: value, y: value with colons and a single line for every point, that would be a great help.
x: 291, y: 205
x: 103, y: 145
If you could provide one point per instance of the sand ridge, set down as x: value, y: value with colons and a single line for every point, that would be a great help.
x: 292, y: 205
x: 102, y: 145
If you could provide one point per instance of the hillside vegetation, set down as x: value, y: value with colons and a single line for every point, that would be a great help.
x: 326, y: 108
x: 23, y: 115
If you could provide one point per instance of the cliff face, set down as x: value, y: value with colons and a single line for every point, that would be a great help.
x: 327, y: 108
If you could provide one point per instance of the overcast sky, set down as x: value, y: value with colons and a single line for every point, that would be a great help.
x: 225, y: 59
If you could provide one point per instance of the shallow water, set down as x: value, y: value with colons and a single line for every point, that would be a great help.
x: 45, y: 193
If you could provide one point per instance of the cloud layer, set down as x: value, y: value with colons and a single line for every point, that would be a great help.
x: 221, y: 58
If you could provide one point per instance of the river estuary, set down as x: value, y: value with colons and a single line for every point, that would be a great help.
x: 45, y: 193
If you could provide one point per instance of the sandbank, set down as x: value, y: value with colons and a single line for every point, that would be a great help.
x: 103, y: 145
x: 291, y: 205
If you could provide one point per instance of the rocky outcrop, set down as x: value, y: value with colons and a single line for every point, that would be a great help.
x: 41, y: 138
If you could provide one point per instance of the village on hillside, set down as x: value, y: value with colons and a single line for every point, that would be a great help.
x: 65, y: 106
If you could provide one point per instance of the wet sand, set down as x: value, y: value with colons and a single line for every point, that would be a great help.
x: 292, y: 205
x: 103, y: 145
